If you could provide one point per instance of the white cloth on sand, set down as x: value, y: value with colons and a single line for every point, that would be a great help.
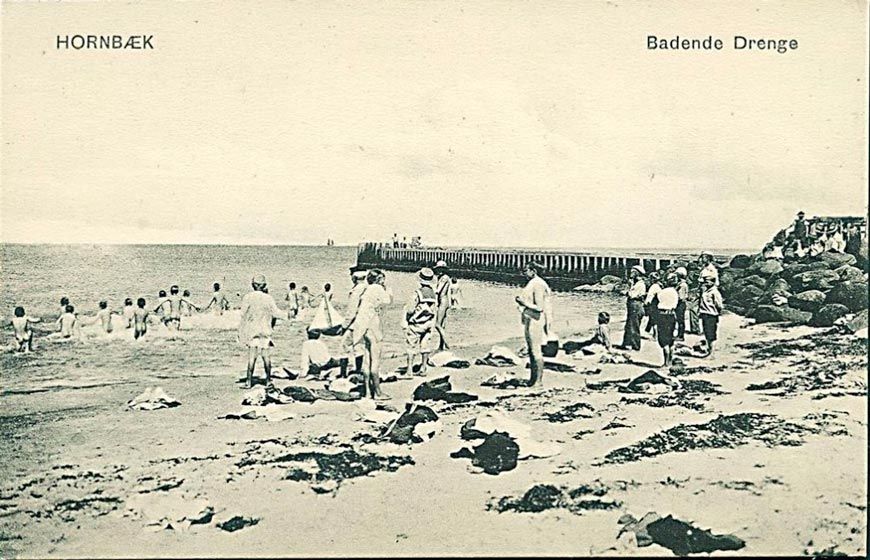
x: 501, y: 352
x: 440, y: 359
x: 152, y: 399
x: 530, y: 447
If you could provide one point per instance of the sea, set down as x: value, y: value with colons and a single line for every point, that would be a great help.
x: 37, y: 276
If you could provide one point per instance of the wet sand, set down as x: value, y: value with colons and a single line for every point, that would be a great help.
x: 85, y: 476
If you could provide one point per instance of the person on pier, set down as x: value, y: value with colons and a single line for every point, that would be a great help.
x: 634, y: 308
x: 534, y: 303
x: 443, y: 288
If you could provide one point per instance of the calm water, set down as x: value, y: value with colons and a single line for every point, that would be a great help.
x: 37, y: 276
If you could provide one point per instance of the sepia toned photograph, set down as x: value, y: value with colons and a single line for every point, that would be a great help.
x: 433, y: 279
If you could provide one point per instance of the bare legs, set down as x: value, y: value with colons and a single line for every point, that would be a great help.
x: 253, y: 354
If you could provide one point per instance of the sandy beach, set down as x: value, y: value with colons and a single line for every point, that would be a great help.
x: 86, y: 476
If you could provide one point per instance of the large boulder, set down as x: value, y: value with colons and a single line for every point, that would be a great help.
x: 836, y: 260
x: 851, y: 294
x: 858, y: 322
x: 766, y: 268
x: 740, y: 261
x: 814, y: 280
x: 754, y: 280
x: 609, y: 279
x: 776, y: 292
x: 728, y: 277
x: 850, y: 274
x: 793, y: 269
x: 862, y: 261
x: 810, y: 300
x: 780, y: 314
x: 827, y: 314
x: 745, y: 295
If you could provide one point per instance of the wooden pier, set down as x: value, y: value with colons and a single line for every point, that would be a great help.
x: 564, y: 269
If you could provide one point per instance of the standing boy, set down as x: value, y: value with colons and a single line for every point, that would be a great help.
x: 711, y: 306
x: 418, y: 321
x: 259, y: 313
x: 533, y: 302
x: 23, y: 333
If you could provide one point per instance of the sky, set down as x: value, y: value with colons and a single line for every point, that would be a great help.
x: 509, y: 123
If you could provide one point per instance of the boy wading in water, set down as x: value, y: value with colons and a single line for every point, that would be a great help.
x: 140, y: 319
x: 218, y: 300
x: 533, y: 302
x: 176, y: 302
x: 23, y: 333
x: 259, y: 313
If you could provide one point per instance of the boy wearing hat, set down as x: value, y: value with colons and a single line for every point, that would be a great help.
x: 259, y: 313
x: 443, y: 287
x: 634, y: 308
x: 711, y: 306
x: 358, y: 277
x: 418, y: 320
x: 534, y: 302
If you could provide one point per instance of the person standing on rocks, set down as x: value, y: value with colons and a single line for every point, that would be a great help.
x: 259, y: 313
x: 534, y: 303
x: 634, y: 309
x: 800, y: 231
x: 443, y: 288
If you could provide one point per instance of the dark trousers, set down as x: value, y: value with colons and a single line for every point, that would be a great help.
x: 681, y: 319
x: 634, y: 313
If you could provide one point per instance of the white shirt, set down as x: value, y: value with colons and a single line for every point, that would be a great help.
x: 368, y: 318
x: 653, y: 291
x: 258, y: 310
x: 668, y: 298
x: 314, y: 352
x: 537, y: 293
x: 637, y: 290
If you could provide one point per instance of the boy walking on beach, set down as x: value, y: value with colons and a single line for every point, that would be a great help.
x: 533, y: 302
x: 140, y: 319
x: 711, y: 306
x: 259, y: 313
x: 23, y: 332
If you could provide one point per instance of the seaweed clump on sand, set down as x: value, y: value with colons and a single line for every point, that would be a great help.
x: 340, y: 466
x: 570, y: 412
x: 686, y: 395
x: 828, y: 344
x: 541, y: 497
x: 814, y: 376
x: 726, y: 431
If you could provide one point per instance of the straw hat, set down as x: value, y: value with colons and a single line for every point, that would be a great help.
x: 426, y: 276
x: 681, y: 271
x: 638, y: 268
x: 259, y: 279
x: 440, y: 265
x: 360, y: 274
